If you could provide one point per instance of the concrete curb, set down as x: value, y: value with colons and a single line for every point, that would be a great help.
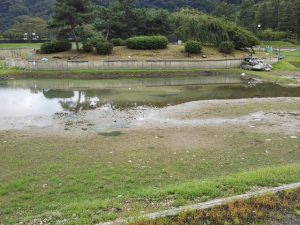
x: 205, y: 205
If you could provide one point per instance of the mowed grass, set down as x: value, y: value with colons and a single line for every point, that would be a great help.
x: 278, y: 44
x: 20, y: 45
x: 85, y: 180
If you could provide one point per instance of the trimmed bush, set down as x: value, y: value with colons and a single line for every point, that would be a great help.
x: 118, y: 42
x: 193, y: 47
x: 55, y: 46
x: 87, y: 46
x: 147, y: 42
x: 104, y: 48
x: 226, y: 47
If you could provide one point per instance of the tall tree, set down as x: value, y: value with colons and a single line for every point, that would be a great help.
x: 247, y: 15
x: 70, y: 15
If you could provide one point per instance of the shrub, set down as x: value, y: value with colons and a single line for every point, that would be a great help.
x: 87, y: 46
x: 118, y: 42
x: 55, y: 46
x: 94, y: 41
x: 242, y: 38
x: 104, y: 48
x: 193, y: 47
x: 226, y: 47
x: 147, y: 42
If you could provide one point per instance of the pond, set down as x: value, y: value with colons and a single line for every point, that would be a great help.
x: 31, y: 100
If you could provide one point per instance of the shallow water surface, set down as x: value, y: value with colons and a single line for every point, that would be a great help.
x: 34, y: 101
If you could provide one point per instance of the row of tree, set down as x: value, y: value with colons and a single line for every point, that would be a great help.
x: 82, y: 20
x: 278, y: 15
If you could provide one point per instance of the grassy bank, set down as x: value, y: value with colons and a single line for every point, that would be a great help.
x: 95, y: 178
x: 279, y: 44
x: 276, y: 209
x: 98, y: 74
x: 19, y: 45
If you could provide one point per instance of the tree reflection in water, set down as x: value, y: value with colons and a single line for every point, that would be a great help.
x: 72, y: 101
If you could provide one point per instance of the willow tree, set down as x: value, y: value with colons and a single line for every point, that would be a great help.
x: 69, y: 15
x: 195, y: 25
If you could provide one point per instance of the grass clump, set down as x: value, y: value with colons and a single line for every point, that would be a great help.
x: 111, y: 134
x: 257, y: 210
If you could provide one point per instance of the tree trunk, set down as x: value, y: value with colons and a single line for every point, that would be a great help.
x: 76, y: 39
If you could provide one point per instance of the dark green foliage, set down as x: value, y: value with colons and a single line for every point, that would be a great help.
x: 270, y: 35
x: 122, y: 20
x: 118, y: 42
x: 193, y: 47
x: 242, y: 38
x: 70, y: 15
x: 94, y: 41
x: 226, y: 47
x: 194, y: 25
x: 56, y: 46
x: 147, y: 42
x: 87, y: 46
x: 279, y: 15
x: 104, y: 48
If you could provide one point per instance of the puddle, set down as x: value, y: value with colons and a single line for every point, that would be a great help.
x: 29, y: 103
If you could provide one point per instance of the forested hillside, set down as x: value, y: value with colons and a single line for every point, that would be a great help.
x: 272, y: 15
x: 10, y: 9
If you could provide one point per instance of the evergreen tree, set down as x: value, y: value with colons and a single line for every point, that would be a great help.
x: 247, y: 15
x: 69, y: 15
x: 288, y: 18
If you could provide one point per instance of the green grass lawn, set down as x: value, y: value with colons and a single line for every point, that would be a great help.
x: 20, y: 45
x: 278, y: 44
x: 96, y: 178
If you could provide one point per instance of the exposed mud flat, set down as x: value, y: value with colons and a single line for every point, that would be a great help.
x: 275, y: 115
x: 271, y: 114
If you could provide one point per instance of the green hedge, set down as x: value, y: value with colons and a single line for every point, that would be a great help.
x: 118, y: 42
x: 193, y: 47
x: 55, y: 46
x: 226, y: 47
x: 147, y: 42
x: 104, y: 48
x: 87, y: 46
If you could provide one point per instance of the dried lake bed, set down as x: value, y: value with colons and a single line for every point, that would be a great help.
x: 86, y: 151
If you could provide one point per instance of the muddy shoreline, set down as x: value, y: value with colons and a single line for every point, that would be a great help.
x: 276, y: 115
x: 25, y: 74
